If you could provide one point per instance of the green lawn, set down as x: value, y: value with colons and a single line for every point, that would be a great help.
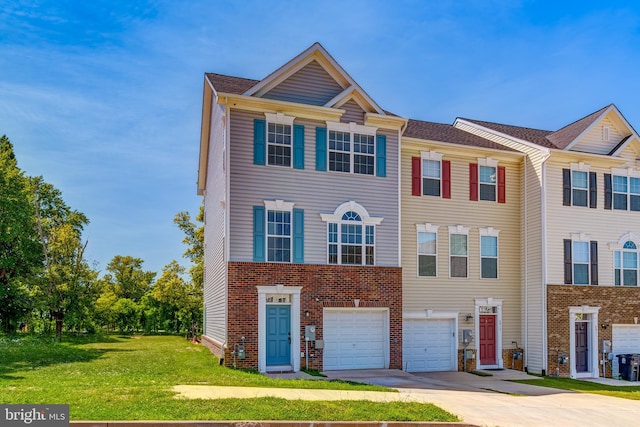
x: 118, y: 378
x: 626, y: 392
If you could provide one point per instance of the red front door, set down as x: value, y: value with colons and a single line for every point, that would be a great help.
x: 487, y: 339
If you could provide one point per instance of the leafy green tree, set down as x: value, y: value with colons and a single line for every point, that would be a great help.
x: 126, y: 278
x: 127, y: 314
x: 179, y: 301
x: 20, y: 253
x: 194, y: 239
x: 67, y: 287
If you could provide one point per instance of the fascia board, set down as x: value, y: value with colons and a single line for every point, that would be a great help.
x: 262, y: 105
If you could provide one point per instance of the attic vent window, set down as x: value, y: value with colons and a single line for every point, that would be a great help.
x: 605, y: 133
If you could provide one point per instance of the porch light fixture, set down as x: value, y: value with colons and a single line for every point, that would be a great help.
x: 468, y: 317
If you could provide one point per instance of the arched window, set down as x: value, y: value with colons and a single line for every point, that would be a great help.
x: 350, y: 235
x: 626, y: 265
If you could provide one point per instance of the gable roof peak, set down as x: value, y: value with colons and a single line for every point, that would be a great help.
x: 565, y: 137
x: 315, y: 52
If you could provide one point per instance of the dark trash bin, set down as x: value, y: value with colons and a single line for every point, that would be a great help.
x: 628, y: 366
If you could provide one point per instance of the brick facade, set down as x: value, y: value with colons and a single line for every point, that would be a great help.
x: 323, y: 286
x: 617, y: 305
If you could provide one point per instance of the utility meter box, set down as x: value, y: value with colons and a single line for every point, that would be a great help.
x: 605, y: 345
x: 310, y: 333
x: 467, y: 336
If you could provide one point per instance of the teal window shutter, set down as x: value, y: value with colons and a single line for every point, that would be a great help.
x: 298, y: 236
x: 321, y: 149
x: 381, y: 155
x: 259, y: 142
x: 298, y: 146
x: 258, y: 233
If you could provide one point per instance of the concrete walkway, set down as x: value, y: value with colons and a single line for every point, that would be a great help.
x: 483, y: 401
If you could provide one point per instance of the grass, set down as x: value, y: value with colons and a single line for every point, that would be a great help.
x: 130, y: 378
x: 625, y: 392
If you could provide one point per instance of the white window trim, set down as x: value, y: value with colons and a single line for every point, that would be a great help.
x: 619, y: 247
x: 433, y: 156
x: 426, y: 228
x: 490, y: 232
x: 625, y: 172
x: 352, y: 128
x: 594, y: 371
x: 458, y: 229
x: 492, y: 163
x: 282, y: 206
x: 336, y: 218
x: 583, y: 238
x: 580, y: 167
x: 279, y: 119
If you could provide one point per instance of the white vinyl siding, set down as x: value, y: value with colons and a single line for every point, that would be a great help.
x: 215, y: 257
x: 315, y: 192
x: 593, y: 141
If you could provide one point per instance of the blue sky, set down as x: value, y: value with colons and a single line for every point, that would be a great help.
x: 103, y: 98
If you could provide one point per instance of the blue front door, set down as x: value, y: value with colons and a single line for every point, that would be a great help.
x: 278, y: 335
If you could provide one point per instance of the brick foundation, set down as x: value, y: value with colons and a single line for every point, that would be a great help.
x: 323, y: 286
x: 213, y: 345
x: 617, y: 305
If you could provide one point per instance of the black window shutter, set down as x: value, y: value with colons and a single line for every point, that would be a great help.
x: 593, y: 190
x: 568, y: 270
x: 566, y: 187
x: 608, y: 192
x: 593, y: 250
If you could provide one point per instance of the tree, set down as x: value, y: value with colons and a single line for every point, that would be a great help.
x: 68, y: 284
x: 126, y: 278
x: 194, y: 239
x: 20, y: 253
x: 180, y: 302
x: 122, y: 293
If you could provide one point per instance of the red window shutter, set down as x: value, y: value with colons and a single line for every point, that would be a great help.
x: 502, y: 186
x: 446, y: 179
x: 416, y: 176
x: 473, y: 181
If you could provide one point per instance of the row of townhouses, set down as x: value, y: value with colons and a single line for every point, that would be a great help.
x: 341, y: 236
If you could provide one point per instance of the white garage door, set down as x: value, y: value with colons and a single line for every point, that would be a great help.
x: 355, y: 339
x: 624, y: 339
x: 428, y: 345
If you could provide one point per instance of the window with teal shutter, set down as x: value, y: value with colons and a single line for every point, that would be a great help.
x: 381, y: 155
x: 298, y: 146
x: 259, y: 141
x: 321, y: 149
x: 298, y: 236
x: 258, y: 233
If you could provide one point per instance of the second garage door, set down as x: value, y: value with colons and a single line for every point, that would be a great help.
x: 625, y: 339
x: 355, y: 339
x: 429, y: 345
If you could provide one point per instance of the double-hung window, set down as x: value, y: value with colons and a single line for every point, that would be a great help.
x: 350, y: 235
x: 458, y: 251
x: 278, y: 236
x: 430, y: 175
x: 352, y: 148
x: 626, y: 265
x: 622, y: 190
x: 488, y: 253
x: 427, y: 250
x: 279, y: 144
x: 580, y: 261
x: 487, y: 181
x: 277, y: 141
x: 579, y: 186
x: 278, y: 232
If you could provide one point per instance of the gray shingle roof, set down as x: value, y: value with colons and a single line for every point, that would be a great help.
x: 447, y: 133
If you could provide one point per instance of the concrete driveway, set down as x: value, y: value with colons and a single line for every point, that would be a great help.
x: 494, y: 401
